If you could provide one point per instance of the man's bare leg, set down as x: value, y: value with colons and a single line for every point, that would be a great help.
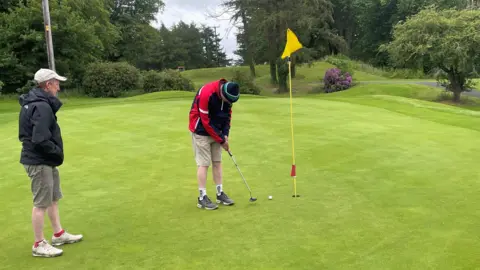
x: 38, y: 215
x: 54, y: 217
x: 41, y: 248
x: 202, y: 180
x: 60, y: 236
x: 204, y: 200
x: 218, y: 179
x: 217, y: 176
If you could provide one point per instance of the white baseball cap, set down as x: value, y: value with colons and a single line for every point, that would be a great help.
x: 43, y: 75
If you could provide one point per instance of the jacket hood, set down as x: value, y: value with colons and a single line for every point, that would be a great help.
x: 38, y: 95
x: 220, y: 82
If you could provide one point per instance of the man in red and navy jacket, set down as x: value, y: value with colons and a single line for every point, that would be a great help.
x: 210, y: 117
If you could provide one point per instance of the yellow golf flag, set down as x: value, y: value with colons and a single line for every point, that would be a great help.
x: 292, y: 44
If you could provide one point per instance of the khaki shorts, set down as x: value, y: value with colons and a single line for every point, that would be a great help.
x: 45, y: 184
x: 206, y: 150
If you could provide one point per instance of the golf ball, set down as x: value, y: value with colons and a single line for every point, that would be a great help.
x: 269, y: 197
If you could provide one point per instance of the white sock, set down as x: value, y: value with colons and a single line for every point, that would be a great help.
x: 219, y: 189
x: 203, y: 192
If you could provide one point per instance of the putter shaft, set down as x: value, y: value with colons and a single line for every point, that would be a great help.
x: 243, y: 178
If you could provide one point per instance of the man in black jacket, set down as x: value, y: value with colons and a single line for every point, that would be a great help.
x: 42, y: 153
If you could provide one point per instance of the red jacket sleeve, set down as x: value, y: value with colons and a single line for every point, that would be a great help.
x: 205, y: 118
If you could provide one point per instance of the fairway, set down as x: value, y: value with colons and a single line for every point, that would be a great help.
x: 384, y: 184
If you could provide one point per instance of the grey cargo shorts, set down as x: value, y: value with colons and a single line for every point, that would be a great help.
x: 45, y: 184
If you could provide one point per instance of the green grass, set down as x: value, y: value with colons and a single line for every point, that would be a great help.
x: 386, y: 182
x: 306, y: 74
x: 308, y: 77
x: 391, y: 73
x: 477, y: 83
x: 413, y: 93
x: 423, y: 99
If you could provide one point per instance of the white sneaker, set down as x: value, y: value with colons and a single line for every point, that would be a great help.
x: 44, y: 249
x: 66, y: 238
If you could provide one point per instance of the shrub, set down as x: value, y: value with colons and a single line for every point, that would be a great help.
x: 29, y: 85
x: 105, y: 79
x: 346, y: 64
x: 336, y: 80
x: 155, y: 81
x: 174, y: 80
x: 343, y: 63
x: 246, y: 82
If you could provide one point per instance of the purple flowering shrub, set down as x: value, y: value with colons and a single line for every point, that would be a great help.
x: 336, y: 80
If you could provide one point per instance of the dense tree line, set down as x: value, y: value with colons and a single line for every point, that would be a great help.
x: 356, y: 28
x: 91, y: 31
x: 86, y: 32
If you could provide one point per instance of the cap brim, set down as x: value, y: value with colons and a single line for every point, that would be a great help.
x: 60, y: 78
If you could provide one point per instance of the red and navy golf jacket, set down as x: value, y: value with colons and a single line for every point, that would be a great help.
x: 209, y: 114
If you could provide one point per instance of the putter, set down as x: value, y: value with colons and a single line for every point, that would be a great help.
x: 251, y: 198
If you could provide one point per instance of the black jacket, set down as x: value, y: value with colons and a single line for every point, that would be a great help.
x: 39, y: 132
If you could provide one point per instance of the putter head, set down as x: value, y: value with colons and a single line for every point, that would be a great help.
x: 252, y: 199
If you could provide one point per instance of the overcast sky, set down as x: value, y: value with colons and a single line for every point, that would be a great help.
x: 197, y: 11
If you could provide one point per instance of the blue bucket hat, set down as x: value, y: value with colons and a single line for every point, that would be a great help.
x: 231, y: 91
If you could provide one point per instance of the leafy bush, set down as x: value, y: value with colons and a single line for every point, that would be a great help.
x: 105, y: 79
x: 29, y: 85
x: 343, y: 63
x: 167, y: 80
x: 174, y: 80
x: 336, y: 80
x: 246, y: 83
x: 1, y: 85
x: 351, y: 66
x: 153, y: 81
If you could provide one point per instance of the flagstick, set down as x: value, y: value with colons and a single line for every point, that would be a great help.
x: 294, y: 173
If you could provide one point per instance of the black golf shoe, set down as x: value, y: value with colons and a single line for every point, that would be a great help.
x: 224, y: 199
x: 206, y: 203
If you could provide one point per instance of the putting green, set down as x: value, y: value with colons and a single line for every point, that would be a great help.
x: 383, y: 184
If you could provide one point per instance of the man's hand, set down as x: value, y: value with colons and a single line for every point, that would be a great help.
x: 225, y: 144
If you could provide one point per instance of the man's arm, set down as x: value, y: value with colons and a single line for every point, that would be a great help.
x: 226, y: 128
x: 41, y: 120
x: 205, y: 118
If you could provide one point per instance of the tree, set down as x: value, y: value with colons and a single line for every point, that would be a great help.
x: 375, y: 20
x: 189, y: 38
x: 448, y: 39
x: 345, y: 20
x: 271, y: 18
x: 473, y: 4
x: 141, y: 11
x: 242, y: 10
x: 78, y: 39
x: 138, y: 46
x: 367, y: 24
x: 139, y: 40
x: 212, y: 51
x: 5, y: 5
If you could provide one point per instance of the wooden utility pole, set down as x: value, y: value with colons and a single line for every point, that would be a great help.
x: 48, y: 34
